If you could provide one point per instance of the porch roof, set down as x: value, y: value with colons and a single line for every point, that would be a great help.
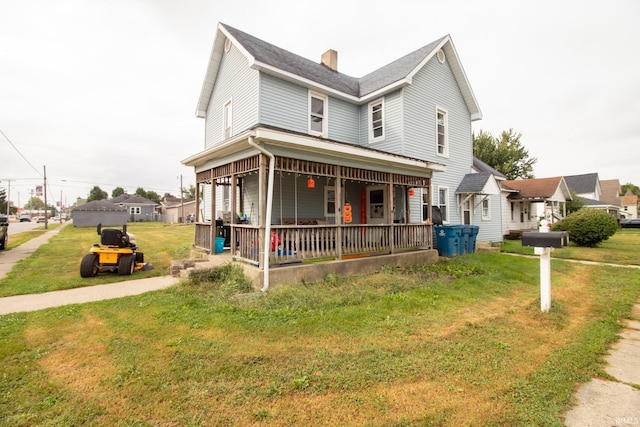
x: 340, y: 153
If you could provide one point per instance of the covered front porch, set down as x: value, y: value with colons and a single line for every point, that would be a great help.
x: 277, y: 206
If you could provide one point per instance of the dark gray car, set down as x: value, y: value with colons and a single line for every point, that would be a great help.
x: 630, y: 223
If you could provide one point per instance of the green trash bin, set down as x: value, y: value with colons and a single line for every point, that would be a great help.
x: 448, y: 238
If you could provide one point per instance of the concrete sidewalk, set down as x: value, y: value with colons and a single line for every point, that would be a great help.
x: 34, y: 302
x: 608, y: 403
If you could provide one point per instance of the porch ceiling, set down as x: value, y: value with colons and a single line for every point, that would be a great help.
x: 341, y: 153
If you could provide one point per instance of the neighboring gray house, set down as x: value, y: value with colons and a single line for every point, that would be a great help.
x: 139, y: 208
x: 99, y: 212
x: 358, y: 161
x: 589, y: 187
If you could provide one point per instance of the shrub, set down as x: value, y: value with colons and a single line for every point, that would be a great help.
x: 588, y: 227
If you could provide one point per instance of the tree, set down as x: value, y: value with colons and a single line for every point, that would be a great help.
x: 576, y: 204
x: 505, y: 154
x: 97, y: 193
x: 189, y: 193
x: 118, y: 191
x: 629, y: 186
x: 4, y: 202
x: 34, y: 203
x: 151, y: 195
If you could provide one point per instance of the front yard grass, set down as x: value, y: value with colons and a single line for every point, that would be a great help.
x: 453, y: 343
x: 56, y: 265
x: 621, y: 248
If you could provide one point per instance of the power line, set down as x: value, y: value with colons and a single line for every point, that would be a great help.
x: 18, y: 151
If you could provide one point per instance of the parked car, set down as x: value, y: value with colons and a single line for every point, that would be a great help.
x: 4, y: 232
x: 630, y: 223
x: 40, y: 219
x: 25, y: 218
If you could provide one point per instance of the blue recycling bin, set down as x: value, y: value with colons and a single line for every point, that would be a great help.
x: 448, y: 237
x: 473, y: 234
x: 219, y: 248
x: 465, y: 231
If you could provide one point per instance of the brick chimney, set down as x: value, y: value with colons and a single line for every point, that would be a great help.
x: 330, y: 59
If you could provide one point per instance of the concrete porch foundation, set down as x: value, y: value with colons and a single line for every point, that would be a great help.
x: 315, y: 272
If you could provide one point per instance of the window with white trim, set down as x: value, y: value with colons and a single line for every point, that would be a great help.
x: 317, y: 114
x: 329, y: 201
x: 486, y: 211
x: 227, y: 117
x: 442, y: 137
x: 443, y: 203
x: 425, y: 204
x: 376, y: 120
x: 135, y: 210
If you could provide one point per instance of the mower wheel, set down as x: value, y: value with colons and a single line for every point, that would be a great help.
x: 89, y: 265
x: 126, y: 265
x: 139, y: 257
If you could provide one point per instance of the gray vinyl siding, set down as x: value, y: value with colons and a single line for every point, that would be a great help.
x: 343, y: 121
x: 490, y: 230
x: 434, y: 86
x: 393, y: 125
x: 238, y: 82
x: 283, y: 104
x: 286, y: 105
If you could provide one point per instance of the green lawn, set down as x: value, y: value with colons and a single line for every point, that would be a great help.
x: 454, y: 343
x: 56, y: 265
x: 621, y: 248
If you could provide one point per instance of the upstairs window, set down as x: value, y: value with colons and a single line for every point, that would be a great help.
x: 317, y: 114
x: 376, y: 120
x: 227, y: 118
x: 442, y: 133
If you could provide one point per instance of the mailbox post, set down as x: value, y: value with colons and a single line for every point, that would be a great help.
x: 543, y: 242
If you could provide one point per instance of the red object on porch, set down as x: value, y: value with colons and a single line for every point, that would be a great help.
x: 276, y: 241
x: 412, y: 192
x: 311, y: 183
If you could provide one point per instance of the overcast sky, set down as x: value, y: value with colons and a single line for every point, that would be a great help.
x: 104, y: 92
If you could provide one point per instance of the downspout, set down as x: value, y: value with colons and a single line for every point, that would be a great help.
x: 267, y: 220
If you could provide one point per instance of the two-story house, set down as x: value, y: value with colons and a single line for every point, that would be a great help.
x: 302, y: 162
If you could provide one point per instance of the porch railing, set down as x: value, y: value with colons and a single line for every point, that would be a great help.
x: 291, y: 244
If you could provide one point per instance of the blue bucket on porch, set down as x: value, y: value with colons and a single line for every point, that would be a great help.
x: 219, y: 245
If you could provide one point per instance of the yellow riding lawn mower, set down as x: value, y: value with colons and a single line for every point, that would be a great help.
x: 117, y: 253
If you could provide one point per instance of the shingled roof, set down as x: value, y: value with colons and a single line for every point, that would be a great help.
x: 536, y: 189
x: 582, y: 184
x: 277, y: 61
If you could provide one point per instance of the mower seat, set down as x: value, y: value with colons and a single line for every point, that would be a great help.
x: 114, y: 237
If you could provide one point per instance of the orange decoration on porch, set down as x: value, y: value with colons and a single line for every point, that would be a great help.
x: 311, y: 183
x: 348, y: 214
x: 411, y: 192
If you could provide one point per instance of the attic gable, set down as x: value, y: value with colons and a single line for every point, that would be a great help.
x: 283, y: 64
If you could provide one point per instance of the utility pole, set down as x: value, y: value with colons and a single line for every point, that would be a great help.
x: 182, y: 201
x: 46, y: 217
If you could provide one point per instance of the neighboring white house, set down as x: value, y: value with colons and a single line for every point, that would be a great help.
x: 529, y: 200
